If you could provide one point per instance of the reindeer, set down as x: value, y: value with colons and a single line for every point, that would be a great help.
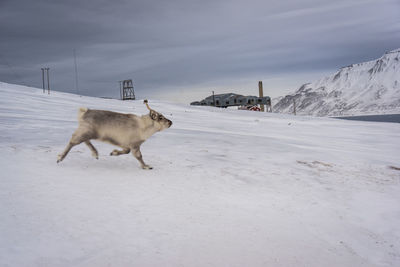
x: 127, y: 131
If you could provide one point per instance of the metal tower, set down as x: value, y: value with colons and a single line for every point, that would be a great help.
x: 127, y: 91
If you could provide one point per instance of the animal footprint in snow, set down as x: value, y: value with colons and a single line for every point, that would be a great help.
x: 314, y: 164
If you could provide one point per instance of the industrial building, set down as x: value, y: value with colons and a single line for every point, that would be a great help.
x: 231, y: 99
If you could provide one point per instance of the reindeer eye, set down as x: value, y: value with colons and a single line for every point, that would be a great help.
x: 160, y: 118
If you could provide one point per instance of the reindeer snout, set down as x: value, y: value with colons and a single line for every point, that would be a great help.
x: 170, y: 123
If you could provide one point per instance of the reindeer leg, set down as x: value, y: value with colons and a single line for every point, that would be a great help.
x: 93, y: 149
x: 138, y: 155
x: 65, y: 152
x: 78, y: 137
x: 116, y: 152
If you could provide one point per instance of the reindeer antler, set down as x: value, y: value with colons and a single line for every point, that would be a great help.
x: 147, y: 105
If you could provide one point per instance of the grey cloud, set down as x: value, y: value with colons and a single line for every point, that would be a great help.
x: 166, y: 44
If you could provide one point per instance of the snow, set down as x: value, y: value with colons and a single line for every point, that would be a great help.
x: 228, y: 188
x: 367, y: 88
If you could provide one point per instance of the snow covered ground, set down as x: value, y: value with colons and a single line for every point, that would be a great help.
x: 229, y: 188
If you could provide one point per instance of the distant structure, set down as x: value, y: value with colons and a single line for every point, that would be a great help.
x: 126, y: 91
x: 45, y: 72
x: 231, y: 99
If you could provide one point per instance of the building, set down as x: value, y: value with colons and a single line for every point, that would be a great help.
x: 231, y: 99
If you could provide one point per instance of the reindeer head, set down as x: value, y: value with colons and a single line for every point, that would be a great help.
x: 158, y: 118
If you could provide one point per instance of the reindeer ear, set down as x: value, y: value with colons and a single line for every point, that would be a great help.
x: 153, y: 115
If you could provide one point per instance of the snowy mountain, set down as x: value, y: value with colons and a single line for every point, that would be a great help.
x: 366, y: 88
x: 228, y: 188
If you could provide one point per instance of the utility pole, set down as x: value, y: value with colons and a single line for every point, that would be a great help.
x: 43, y: 79
x: 76, y: 74
x: 48, y: 81
x: 45, y: 71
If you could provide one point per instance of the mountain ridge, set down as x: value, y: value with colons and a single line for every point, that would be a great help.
x: 371, y: 87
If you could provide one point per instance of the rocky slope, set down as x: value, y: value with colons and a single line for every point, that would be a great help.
x: 371, y: 87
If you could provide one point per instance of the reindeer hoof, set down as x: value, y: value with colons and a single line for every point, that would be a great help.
x: 147, y: 167
x: 59, y: 158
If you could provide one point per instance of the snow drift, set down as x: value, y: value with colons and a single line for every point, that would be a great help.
x: 229, y: 188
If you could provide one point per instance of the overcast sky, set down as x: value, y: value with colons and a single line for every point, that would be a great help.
x: 181, y: 50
